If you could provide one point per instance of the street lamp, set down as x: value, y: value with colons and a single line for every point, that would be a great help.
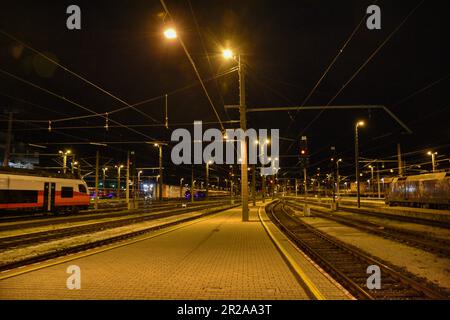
x: 371, y: 178
x: 207, y: 178
x: 170, y: 33
x: 118, y: 167
x: 338, y: 178
x: 433, y: 163
x: 159, y: 146
x: 73, y: 164
x: 358, y: 124
x: 104, y: 169
x: 64, y: 155
x: 181, y: 188
x: 228, y: 54
x: 139, y: 183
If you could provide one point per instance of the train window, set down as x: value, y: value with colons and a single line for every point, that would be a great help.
x: 66, y: 192
x: 82, y: 188
x: 18, y: 196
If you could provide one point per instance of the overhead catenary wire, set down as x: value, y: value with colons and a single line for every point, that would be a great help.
x: 197, y: 26
x: 71, y: 102
x: 327, y: 70
x: 419, y: 91
x: 74, y: 74
x: 104, y: 114
x: 371, y: 56
x: 195, y: 68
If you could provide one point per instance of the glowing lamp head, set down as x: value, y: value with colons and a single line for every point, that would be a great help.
x: 227, y: 54
x: 170, y: 33
x: 360, y: 124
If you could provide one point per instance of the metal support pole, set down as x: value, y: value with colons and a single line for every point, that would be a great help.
x: 263, y: 177
x: 96, y: 179
x: 378, y: 182
x: 357, y: 166
x: 207, y: 181
x: 296, y: 191
x: 181, y: 188
x: 127, y: 180
x: 372, y: 187
x: 433, y: 163
x: 139, y: 185
x: 305, y: 183
x: 160, y: 173
x: 254, y: 185
x: 243, y: 120
x: 192, y: 183
x: 399, y: 158
x: 338, y: 179
x: 65, y: 163
x: 118, y: 182
x: 8, y: 140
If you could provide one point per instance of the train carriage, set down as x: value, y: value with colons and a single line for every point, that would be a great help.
x: 34, y: 191
x: 430, y: 190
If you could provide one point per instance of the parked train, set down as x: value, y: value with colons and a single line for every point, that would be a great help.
x: 29, y: 190
x: 430, y: 190
x: 201, y: 194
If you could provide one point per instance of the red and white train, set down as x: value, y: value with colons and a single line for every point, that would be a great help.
x: 27, y: 190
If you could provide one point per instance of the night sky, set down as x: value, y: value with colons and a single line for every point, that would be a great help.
x: 286, y: 45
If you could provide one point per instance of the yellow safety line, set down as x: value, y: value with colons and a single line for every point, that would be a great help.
x: 100, y: 250
x: 311, y: 286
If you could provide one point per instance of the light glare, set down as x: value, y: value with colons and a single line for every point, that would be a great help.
x: 227, y: 54
x: 170, y: 33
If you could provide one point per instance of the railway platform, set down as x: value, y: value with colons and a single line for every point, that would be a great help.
x: 378, y: 207
x: 216, y: 257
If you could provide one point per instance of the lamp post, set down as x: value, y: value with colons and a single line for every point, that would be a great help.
x: 371, y: 178
x: 159, y: 146
x: 139, y: 184
x: 433, y: 163
x: 192, y: 183
x: 378, y: 182
x: 207, y: 179
x: 181, y: 188
x: 358, y: 124
x: 118, y: 167
x: 104, y: 169
x: 64, y: 155
x: 338, y: 178
x: 228, y: 54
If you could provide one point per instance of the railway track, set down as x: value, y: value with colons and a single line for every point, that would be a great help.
x: 393, y: 217
x: 347, y: 264
x: 25, y: 239
x: 39, y: 221
x: 412, y: 238
x: 7, y: 217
